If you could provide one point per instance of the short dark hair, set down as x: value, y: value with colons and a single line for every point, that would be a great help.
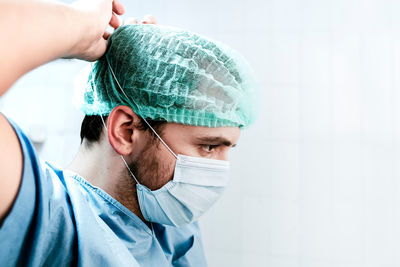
x: 92, y: 127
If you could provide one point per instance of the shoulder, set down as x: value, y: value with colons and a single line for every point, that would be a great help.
x: 41, y: 220
x: 41, y: 182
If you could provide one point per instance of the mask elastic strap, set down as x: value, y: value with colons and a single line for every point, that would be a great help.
x: 162, y: 141
x: 126, y: 164
x: 148, y: 124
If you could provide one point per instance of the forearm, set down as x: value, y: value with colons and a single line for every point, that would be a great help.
x: 33, y: 33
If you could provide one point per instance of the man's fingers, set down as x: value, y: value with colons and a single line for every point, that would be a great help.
x: 149, y: 19
x: 106, y: 35
x: 131, y: 21
x: 118, y: 8
x: 115, y: 22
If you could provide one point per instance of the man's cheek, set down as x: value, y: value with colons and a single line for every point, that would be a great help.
x: 168, y: 172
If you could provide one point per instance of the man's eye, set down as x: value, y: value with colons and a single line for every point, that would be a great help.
x: 209, y: 148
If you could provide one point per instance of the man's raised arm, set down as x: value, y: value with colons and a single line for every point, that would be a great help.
x: 35, y: 32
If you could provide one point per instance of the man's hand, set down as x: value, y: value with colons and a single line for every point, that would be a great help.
x: 37, y: 31
x: 97, y: 14
x: 100, y: 14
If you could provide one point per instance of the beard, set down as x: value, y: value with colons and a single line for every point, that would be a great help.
x: 150, y: 168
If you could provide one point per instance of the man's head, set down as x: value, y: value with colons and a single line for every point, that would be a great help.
x: 196, y: 92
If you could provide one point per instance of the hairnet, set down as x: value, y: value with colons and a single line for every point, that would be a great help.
x: 171, y: 75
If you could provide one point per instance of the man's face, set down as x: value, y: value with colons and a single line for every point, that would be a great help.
x: 155, y: 165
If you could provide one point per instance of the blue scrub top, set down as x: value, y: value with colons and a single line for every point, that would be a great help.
x: 59, y: 219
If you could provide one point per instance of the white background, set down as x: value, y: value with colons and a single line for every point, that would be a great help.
x: 315, y: 182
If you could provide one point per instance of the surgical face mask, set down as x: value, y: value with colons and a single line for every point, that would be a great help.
x: 196, y: 185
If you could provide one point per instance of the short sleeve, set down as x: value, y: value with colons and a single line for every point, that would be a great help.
x: 29, y: 232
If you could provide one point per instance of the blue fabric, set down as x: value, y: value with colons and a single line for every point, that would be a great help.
x: 59, y: 219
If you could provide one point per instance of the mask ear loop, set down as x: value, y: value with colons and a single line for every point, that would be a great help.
x: 126, y: 164
x: 148, y: 124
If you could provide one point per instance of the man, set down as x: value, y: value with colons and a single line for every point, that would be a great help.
x: 163, y: 107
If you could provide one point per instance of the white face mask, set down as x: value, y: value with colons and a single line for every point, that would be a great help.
x: 196, y: 186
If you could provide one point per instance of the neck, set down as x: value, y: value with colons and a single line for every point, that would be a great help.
x: 94, y: 163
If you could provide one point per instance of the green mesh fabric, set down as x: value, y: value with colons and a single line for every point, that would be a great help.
x: 172, y: 75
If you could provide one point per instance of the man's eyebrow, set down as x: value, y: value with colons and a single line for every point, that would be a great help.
x: 215, y: 140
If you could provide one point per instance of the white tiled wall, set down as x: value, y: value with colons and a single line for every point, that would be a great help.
x: 315, y: 182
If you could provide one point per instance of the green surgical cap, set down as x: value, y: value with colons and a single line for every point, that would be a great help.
x: 171, y: 75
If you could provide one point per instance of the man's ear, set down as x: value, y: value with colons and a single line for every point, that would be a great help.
x: 122, y: 131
